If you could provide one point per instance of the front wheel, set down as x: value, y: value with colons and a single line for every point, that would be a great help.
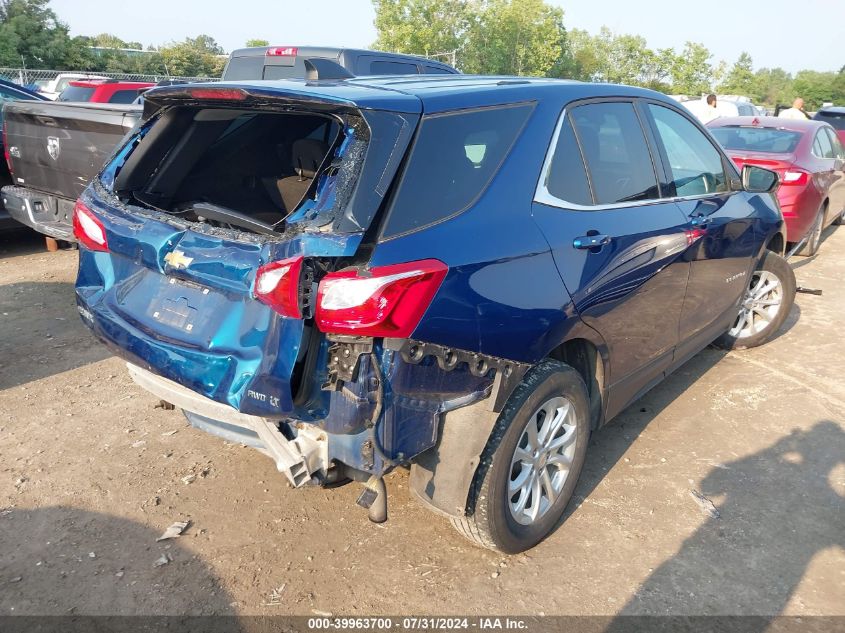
x: 532, y: 461
x: 765, y: 304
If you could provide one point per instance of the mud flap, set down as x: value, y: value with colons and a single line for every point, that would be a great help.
x: 441, y: 476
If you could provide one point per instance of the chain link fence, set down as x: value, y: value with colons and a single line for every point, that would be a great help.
x: 35, y: 78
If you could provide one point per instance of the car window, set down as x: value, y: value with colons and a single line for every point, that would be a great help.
x: 822, y: 146
x: 452, y: 161
x: 615, y: 150
x: 757, y: 139
x: 838, y: 150
x: 76, y: 93
x: 695, y: 164
x: 836, y: 119
x: 567, y: 176
x: 124, y: 96
x: 392, y: 68
x: 436, y: 70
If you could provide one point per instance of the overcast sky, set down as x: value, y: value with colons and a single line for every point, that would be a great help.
x: 787, y: 33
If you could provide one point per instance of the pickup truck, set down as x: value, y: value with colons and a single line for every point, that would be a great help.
x: 53, y: 150
x: 57, y: 148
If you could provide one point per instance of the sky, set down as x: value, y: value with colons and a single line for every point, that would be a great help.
x: 787, y: 33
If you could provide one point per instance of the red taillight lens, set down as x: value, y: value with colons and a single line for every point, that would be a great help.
x: 277, y: 285
x: 6, y: 154
x: 88, y: 229
x: 388, y: 302
x: 794, y: 177
x: 281, y: 51
x: 218, y: 94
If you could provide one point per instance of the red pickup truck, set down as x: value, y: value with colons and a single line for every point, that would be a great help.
x: 103, y: 90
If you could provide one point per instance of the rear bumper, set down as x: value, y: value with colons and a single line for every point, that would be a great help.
x: 47, y: 214
x: 300, y: 459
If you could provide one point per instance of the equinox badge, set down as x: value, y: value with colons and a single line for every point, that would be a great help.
x: 177, y: 259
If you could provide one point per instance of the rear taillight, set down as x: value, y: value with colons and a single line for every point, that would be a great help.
x: 6, y: 154
x: 88, y: 229
x: 277, y: 284
x: 795, y: 177
x: 387, y: 301
x: 281, y: 51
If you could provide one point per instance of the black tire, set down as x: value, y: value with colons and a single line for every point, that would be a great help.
x: 814, y: 236
x: 773, y: 264
x: 492, y: 524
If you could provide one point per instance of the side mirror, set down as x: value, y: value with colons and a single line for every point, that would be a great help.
x: 758, y: 180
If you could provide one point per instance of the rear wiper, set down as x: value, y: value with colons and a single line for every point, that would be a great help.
x: 208, y: 211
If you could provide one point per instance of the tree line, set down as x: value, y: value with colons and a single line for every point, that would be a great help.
x: 528, y: 37
x: 498, y: 37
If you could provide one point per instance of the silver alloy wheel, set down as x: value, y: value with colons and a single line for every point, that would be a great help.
x: 542, y: 459
x: 760, y: 306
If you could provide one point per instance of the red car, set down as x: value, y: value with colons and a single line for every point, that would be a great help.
x: 104, y: 90
x: 809, y: 158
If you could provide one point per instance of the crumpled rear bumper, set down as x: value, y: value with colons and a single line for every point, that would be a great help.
x: 47, y: 214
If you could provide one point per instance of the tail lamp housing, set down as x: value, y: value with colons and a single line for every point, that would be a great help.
x: 794, y: 177
x: 385, y: 301
x: 88, y: 229
x: 277, y: 284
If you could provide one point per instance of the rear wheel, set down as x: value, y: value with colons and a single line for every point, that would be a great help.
x: 765, y: 305
x: 532, y: 461
x: 814, y: 237
x: 840, y: 219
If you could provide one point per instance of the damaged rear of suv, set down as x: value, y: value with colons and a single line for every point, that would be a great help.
x: 349, y: 277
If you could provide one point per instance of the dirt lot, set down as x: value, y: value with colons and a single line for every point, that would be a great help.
x: 91, y: 472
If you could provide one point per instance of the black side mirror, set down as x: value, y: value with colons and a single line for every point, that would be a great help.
x: 758, y: 180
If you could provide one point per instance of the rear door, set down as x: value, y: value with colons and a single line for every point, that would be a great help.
x: 617, y: 241
x: 833, y: 158
x: 722, y: 227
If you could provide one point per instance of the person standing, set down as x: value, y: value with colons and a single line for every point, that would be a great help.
x: 710, y: 112
x: 795, y: 112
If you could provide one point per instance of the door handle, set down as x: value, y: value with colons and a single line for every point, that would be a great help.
x: 591, y: 241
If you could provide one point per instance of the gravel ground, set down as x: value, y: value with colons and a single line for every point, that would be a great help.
x: 721, y: 491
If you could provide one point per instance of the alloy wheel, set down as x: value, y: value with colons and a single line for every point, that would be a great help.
x: 541, y: 462
x: 760, y: 306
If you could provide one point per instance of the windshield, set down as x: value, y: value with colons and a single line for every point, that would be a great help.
x: 836, y: 119
x: 76, y: 93
x: 757, y: 139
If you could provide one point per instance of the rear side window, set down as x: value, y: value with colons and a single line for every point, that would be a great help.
x: 695, y: 165
x: 436, y: 70
x: 392, y: 68
x: 567, y: 177
x: 822, y: 146
x: 453, y: 160
x: 76, y: 93
x: 123, y: 96
x: 251, y: 67
x: 616, y: 153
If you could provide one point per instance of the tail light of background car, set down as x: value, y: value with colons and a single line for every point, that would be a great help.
x: 277, y: 285
x: 794, y: 177
x: 88, y: 229
x: 387, y: 301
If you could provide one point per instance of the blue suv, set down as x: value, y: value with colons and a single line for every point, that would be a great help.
x: 460, y: 275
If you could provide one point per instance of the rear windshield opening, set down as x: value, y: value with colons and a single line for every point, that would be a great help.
x: 228, y: 167
x: 757, y: 139
x: 76, y: 93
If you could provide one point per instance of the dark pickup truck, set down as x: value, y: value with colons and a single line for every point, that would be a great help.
x: 53, y: 150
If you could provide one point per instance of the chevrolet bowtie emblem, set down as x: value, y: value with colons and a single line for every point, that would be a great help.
x: 177, y: 259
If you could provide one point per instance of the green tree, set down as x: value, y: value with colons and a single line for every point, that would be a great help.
x: 515, y: 37
x: 197, y: 56
x: 256, y: 42
x: 424, y: 27
x: 814, y: 87
x: 32, y: 35
x: 772, y: 86
x: 691, y: 71
x: 740, y: 78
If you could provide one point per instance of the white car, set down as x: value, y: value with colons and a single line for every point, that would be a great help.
x: 54, y: 87
x: 724, y: 108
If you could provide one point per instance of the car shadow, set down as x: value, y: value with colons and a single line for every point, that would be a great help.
x: 778, y: 510
x: 22, y: 241
x: 64, y: 561
x: 41, y: 333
